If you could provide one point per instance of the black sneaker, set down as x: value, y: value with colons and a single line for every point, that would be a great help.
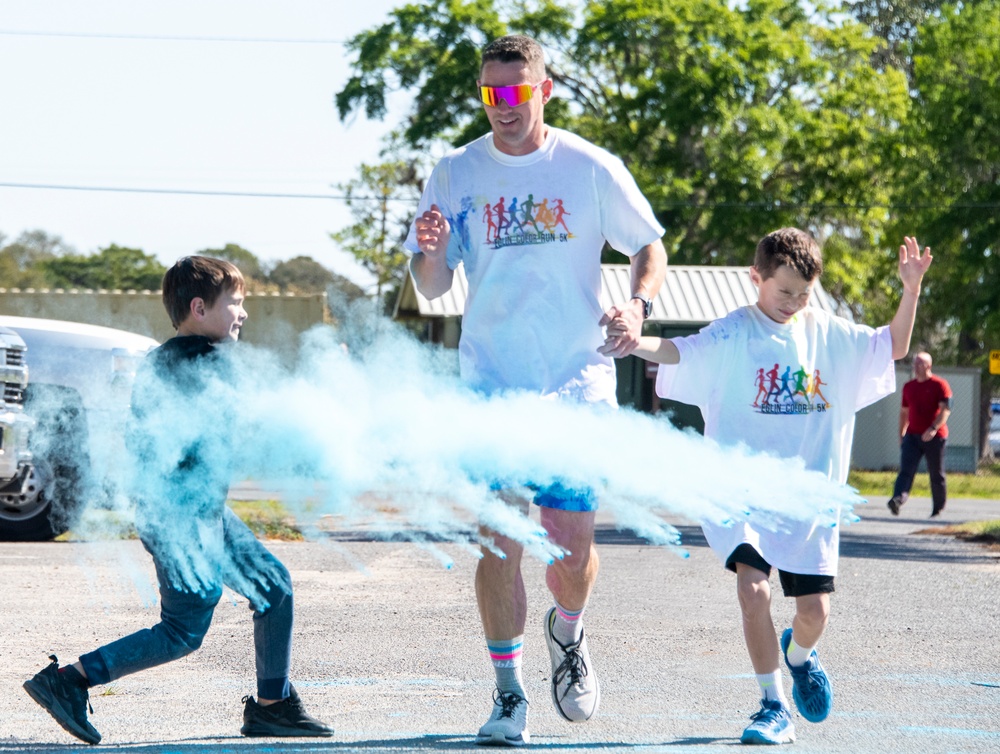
x: 65, y: 700
x: 895, y: 504
x: 285, y: 718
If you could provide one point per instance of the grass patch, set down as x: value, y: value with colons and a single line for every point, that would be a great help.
x: 100, y: 525
x: 985, y: 532
x: 876, y: 484
x: 268, y: 519
x: 988, y: 529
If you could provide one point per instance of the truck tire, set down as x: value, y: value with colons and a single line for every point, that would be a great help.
x: 60, y: 445
x: 25, y: 510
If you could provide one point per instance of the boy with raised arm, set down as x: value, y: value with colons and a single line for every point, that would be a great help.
x: 718, y: 370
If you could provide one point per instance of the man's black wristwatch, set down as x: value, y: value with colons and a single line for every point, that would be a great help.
x: 647, y: 306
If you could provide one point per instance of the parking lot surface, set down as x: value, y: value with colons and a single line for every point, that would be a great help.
x: 389, y: 649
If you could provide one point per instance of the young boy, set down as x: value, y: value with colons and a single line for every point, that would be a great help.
x: 719, y: 370
x: 181, y: 446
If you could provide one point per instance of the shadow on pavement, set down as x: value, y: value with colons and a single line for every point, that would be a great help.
x: 691, y: 536
x: 927, y: 548
x: 930, y: 548
x: 429, y: 742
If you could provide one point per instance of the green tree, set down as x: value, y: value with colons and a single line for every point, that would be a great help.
x: 949, y: 189
x: 895, y: 24
x: 734, y: 118
x: 114, y: 267
x: 306, y: 275
x: 382, y: 201
x: 431, y: 50
x: 245, y: 261
x: 22, y: 262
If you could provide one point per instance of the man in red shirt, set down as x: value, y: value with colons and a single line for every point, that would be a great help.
x: 923, y: 432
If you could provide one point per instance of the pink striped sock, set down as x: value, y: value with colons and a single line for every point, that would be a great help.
x: 567, y: 626
x: 505, y: 654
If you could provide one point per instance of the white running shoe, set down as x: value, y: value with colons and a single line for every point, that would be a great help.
x: 575, y: 690
x: 508, y: 725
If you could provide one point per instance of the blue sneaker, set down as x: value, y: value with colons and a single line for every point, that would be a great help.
x: 772, y: 724
x: 811, y: 688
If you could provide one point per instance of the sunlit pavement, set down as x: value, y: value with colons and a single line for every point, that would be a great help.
x: 388, y: 647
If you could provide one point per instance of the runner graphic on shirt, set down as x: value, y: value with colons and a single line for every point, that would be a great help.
x: 788, y: 392
x: 491, y: 227
x: 786, y: 377
x: 772, y: 389
x: 761, y: 388
x: 545, y: 217
x: 527, y: 207
x: 512, y: 214
x: 560, y: 212
x: 503, y: 221
x: 508, y: 223
x: 801, y: 383
x: 816, y: 382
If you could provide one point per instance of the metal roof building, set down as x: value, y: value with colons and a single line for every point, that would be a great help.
x: 690, y: 298
x: 691, y: 295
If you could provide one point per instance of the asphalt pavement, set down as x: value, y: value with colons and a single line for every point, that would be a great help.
x: 389, y: 649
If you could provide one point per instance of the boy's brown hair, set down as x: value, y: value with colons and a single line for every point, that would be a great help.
x: 194, y: 277
x: 516, y: 48
x: 792, y: 247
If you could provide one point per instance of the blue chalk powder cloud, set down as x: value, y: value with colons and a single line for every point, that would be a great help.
x: 371, y: 425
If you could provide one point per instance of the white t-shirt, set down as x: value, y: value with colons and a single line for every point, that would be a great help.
x: 788, y: 390
x: 530, y: 230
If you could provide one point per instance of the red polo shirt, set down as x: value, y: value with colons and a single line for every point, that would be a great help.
x: 924, y: 401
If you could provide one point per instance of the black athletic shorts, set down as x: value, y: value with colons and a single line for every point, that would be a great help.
x: 792, y: 584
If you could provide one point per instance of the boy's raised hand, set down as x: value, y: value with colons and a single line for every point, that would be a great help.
x: 913, y: 264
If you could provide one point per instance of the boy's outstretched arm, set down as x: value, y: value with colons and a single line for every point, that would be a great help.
x: 650, y: 348
x: 657, y: 350
x: 912, y: 266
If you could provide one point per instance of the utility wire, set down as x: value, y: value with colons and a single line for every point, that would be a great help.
x: 167, y: 37
x: 776, y: 205
x: 200, y: 192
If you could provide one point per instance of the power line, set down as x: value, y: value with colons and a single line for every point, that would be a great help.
x: 200, y: 192
x: 167, y: 37
x: 765, y: 205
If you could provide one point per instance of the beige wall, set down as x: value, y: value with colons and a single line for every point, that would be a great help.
x: 274, y: 321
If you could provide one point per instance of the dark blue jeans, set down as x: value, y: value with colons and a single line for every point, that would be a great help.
x: 911, y: 451
x: 185, y: 616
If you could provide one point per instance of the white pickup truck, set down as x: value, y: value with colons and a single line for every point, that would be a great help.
x: 75, y: 396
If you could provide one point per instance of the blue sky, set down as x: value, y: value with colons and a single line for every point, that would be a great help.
x: 93, y: 95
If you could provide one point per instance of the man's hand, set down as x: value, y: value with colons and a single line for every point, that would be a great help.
x: 624, y: 329
x: 433, y: 233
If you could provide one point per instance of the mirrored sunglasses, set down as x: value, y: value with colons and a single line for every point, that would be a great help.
x: 512, y: 95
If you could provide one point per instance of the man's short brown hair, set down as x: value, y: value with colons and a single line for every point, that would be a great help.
x: 516, y: 48
x: 194, y: 277
x: 792, y: 247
